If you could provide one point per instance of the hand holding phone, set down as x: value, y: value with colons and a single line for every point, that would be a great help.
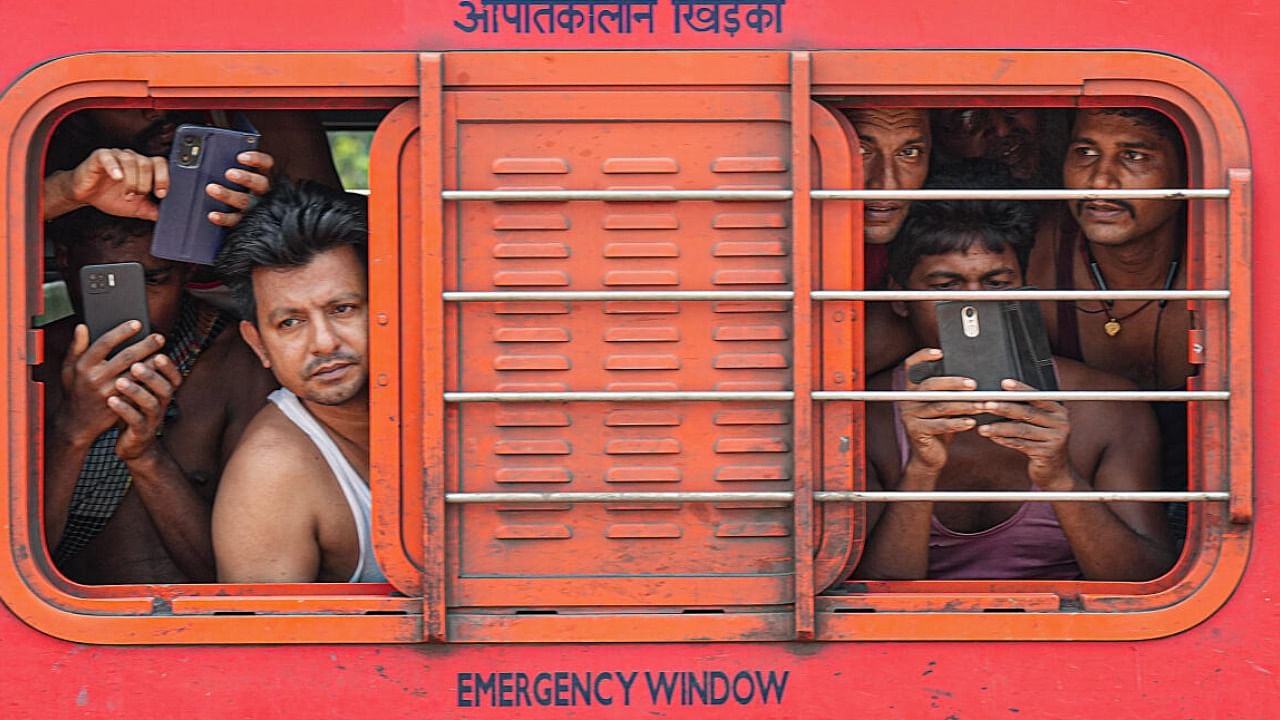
x: 111, y: 294
x: 105, y: 349
x: 201, y: 155
x: 994, y: 340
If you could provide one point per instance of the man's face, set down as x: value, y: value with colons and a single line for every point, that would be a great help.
x: 147, y: 131
x: 313, y: 327
x: 895, y: 156
x: 975, y: 268
x: 165, y: 278
x: 1009, y: 136
x: 1109, y: 151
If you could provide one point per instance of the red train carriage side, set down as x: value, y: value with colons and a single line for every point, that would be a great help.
x: 641, y: 219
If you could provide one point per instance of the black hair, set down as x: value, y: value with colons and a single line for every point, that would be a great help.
x: 292, y: 225
x: 88, y: 224
x: 938, y: 227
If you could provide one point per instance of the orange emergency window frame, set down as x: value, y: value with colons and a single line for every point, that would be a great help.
x: 443, y: 106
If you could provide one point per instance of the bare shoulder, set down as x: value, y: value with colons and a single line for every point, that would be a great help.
x: 882, y: 438
x: 1104, y: 421
x: 230, y: 376
x: 273, y: 452
x: 1075, y: 375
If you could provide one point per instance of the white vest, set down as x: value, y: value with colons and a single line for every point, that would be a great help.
x: 353, y: 486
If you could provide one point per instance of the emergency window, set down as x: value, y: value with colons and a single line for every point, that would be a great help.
x: 617, y: 335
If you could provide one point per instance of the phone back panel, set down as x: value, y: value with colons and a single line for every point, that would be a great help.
x: 996, y: 339
x: 183, y: 231
x: 976, y: 342
x: 111, y: 294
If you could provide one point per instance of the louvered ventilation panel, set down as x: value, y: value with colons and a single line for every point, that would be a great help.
x: 666, y: 553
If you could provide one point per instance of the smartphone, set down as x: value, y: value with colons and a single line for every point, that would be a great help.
x: 991, y: 340
x: 200, y: 155
x: 111, y: 294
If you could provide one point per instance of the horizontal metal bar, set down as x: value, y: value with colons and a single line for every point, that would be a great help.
x: 833, y: 194
x: 617, y: 497
x: 615, y: 295
x: 967, y: 295
x: 656, y: 396
x: 1022, y: 396
x: 830, y: 496
x: 1046, y: 194
x: 617, y: 195
x: 1028, y: 496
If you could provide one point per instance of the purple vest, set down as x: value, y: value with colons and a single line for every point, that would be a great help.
x: 1030, y: 545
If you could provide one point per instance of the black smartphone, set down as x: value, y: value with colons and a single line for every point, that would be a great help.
x: 991, y: 340
x: 111, y: 294
x: 200, y: 155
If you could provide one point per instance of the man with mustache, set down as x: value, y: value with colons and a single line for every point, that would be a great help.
x: 1120, y: 245
x: 294, y: 504
x: 1124, y: 245
x: 895, y: 145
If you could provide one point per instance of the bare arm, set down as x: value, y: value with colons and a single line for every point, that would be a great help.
x: 115, y: 181
x: 264, y: 526
x: 120, y: 182
x: 298, y: 142
x: 898, y: 545
x: 179, y: 514
x: 88, y: 379
x: 1110, y: 541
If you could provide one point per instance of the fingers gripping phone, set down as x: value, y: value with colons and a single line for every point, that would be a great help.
x: 989, y: 341
x: 200, y: 155
x: 111, y: 294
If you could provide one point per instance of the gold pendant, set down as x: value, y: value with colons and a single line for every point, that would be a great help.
x: 1112, y: 327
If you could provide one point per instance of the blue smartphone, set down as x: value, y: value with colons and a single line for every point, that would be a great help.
x: 200, y: 155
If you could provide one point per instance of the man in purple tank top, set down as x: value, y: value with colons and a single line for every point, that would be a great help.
x: 1037, y: 446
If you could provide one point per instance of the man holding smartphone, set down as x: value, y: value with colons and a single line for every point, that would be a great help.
x: 1036, y: 446
x: 136, y: 436
x: 294, y: 505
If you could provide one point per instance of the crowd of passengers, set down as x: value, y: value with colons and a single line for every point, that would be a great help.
x: 232, y: 443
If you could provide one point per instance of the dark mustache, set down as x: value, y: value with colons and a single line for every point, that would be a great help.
x: 1124, y: 204
x: 319, y: 362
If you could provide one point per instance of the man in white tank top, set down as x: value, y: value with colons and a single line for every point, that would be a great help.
x: 294, y: 501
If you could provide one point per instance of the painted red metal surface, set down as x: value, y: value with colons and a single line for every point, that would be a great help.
x: 1225, y: 667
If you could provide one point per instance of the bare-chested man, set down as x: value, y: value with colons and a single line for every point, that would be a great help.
x: 135, y: 443
x: 1049, y: 446
x: 294, y: 504
x: 1120, y: 245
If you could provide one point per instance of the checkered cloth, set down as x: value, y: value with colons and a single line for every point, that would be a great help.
x: 104, y: 479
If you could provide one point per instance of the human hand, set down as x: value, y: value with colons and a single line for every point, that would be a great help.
x: 931, y: 426
x: 1038, y: 429
x: 255, y: 184
x: 118, y: 182
x: 89, y: 378
x: 144, y: 395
